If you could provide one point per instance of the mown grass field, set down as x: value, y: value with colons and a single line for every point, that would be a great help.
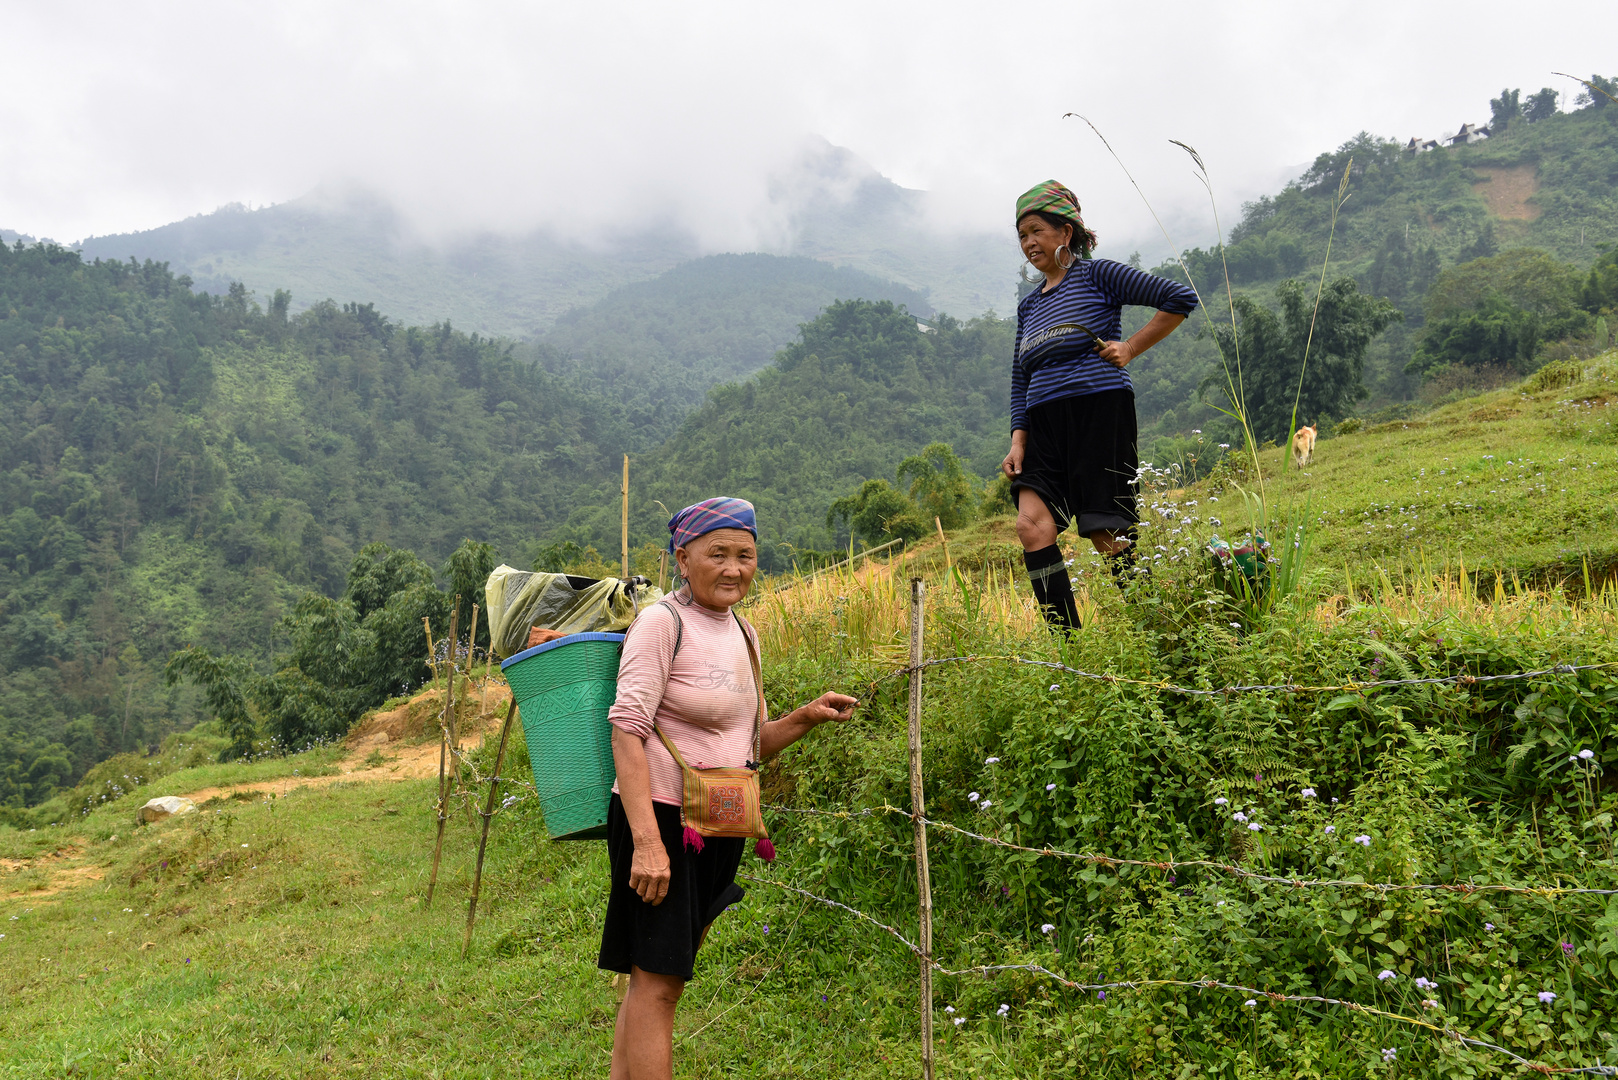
x: 287, y: 936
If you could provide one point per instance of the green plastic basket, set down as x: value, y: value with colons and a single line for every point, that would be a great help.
x: 563, y: 690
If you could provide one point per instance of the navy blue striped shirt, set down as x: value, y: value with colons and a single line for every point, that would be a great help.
x: 1052, y: 358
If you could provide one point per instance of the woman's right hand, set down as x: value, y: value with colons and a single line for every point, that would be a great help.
x: 1012, y: 466
x: 649, y: 870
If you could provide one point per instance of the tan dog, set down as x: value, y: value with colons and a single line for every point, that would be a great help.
x: 1303, y: 447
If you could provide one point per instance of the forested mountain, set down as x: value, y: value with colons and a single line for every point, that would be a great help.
x: 861, y: 390
x: 177, y: 468
x: 659, y: 345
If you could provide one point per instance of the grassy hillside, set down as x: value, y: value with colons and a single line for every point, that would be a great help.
x: 268, y: 936
x: 1519, y: 483
x: 1523, y: 481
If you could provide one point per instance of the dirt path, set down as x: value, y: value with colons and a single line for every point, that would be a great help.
x: 402, y: 740
x: 400, y: 737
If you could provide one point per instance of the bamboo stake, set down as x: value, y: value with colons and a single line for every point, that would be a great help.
x: 949, y: 565
x: 836, y: 565
x: 662, y: 570
x: 449, y: 687
x: 626, y: 517
x: 432, y: 659
x: 471, y: 651
x: 924, y: 886
x: 488, y: 815
x: 444, y: 739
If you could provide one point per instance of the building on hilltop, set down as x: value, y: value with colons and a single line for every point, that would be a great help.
x: 1419, y: 145
x: 1469, y: 133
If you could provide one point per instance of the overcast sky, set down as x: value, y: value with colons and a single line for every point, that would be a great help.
x: 596, y: 117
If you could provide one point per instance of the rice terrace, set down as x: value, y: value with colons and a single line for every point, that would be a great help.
x: 1290, y: 761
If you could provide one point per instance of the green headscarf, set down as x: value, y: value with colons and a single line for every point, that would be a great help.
x: 1053, y: 198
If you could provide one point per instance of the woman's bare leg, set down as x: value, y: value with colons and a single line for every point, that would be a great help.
x: 1110, y: 543
x: 1036, y: 528
x: 1047, y: 572
x: 643, y: 1038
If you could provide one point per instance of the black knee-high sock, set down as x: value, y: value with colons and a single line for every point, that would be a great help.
x: 1048, y: 576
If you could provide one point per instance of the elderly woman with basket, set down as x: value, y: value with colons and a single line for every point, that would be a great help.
x: 1073, y: 456
x: 687, y: 799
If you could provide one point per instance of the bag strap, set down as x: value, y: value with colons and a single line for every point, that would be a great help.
x: 679, y: 636
x: 758, y: 686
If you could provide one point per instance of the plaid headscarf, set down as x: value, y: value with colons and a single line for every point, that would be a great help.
x: 1053, y: 198
x: 708, y: 515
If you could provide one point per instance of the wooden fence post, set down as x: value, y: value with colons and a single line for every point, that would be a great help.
x: 918, y: 807
x: 444, y: 750
x: 488, y: 815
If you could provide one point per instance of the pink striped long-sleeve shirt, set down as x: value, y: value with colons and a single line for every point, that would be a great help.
x: 704, y: 701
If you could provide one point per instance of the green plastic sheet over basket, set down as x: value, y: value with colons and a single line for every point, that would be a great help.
x: 516, y: 600
x: 563, y: 691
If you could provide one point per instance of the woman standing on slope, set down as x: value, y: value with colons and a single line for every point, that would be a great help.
x: 1073, y: 454
x: 688, y: 667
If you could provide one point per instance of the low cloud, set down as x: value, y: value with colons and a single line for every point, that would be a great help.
x: 612, y: 124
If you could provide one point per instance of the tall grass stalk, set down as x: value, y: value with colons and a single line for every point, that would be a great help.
x: 1320, y: 290
x: 1235, y: 388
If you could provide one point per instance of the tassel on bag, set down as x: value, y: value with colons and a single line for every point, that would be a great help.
x: 765, y: 850
x: 693, y: 840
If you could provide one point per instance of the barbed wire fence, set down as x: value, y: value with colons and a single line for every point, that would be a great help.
x: 465, y: 781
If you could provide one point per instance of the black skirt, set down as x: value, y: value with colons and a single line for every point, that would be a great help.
x: 663, y: 939
x: 1081, y: 458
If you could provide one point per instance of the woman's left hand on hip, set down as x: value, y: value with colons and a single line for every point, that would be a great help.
x: 1118, y: 353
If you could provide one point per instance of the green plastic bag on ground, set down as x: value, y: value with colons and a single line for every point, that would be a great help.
x: 517, y: 600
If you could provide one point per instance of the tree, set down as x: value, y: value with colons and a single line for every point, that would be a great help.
x: 1541, y: 106
x: 347, y: 655
x: 1599, y: 94
x: 1483, y: 244
x: 877, y: 513
x: 468, y: 569
x: 1497, y: 333
x: 1599, y: 296
x: 1526, y: 278
x: 939, y: 486
x: 1504, y: 109
x: 227, y: 682
x: 1272, y: 354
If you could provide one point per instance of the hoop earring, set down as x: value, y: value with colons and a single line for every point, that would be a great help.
x: 1071, y: 259
x: 1022, y: 272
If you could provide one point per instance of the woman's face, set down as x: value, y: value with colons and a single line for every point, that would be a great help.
x: 719, y: 566
x: 1040, y: 241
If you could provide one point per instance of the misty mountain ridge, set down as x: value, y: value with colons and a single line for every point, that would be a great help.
x: 353, y: 245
